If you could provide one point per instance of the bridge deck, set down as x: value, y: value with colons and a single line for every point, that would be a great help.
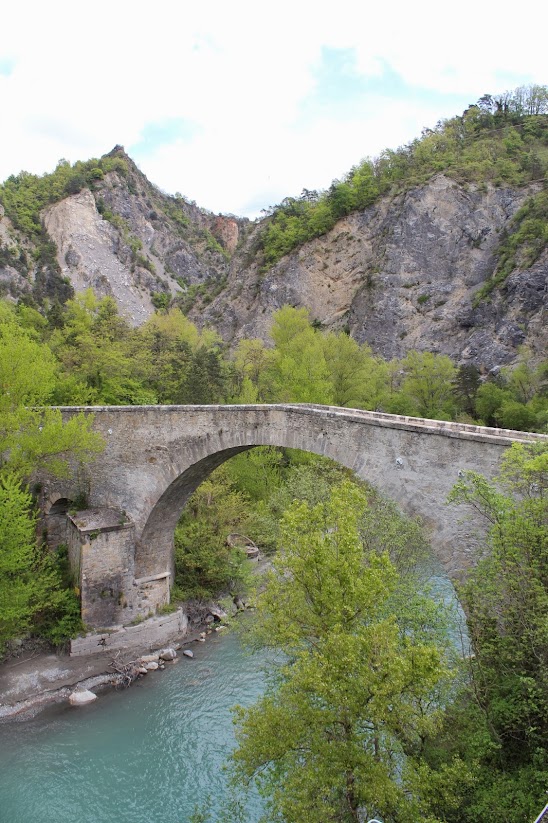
x: 465, y: 431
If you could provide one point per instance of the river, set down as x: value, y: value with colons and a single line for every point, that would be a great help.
x: 148, y: 754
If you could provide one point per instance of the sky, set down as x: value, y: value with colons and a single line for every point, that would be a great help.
x: 239, y: 104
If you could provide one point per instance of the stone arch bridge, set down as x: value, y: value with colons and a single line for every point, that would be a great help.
x: 121, y: 547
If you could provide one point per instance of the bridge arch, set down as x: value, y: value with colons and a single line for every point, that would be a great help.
x: 156, y: 456
x: 154, y: 548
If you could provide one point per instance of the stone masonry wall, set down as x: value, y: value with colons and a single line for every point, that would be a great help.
x: 155, y: 457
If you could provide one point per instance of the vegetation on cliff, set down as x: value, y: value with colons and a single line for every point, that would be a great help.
x: 24, y: 195
x: 499, y: 140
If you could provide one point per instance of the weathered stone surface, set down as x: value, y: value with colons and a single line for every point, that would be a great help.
x: 152, y: 666
x: 175, y: 239
x: 401, y: 275
x: 167, y: 654
x: 149, y: 658
x: 172, y: 449
x: 106, y: 538
x: 217, y: 612
x: 150, y: 633
x: 82, y: 698
x: 87, y: 251
x: 188, y: 653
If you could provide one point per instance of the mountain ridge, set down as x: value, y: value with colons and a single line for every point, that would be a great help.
x: 425, y: 248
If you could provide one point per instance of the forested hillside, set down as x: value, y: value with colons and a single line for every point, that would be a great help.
x: 500, y: 140
x: 437, y: 246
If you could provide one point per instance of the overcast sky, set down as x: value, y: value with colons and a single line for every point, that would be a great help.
x: 239, y: 104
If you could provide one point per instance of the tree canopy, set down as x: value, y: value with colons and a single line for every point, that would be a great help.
x: 340, y: 732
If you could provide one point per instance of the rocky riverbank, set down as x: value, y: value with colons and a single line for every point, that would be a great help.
x: 37, y: 679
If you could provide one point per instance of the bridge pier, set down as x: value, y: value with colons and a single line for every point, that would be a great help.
x: 101, y: 548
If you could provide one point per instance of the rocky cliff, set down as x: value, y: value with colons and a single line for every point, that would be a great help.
x: 402, y: 274
x: 125, y: 238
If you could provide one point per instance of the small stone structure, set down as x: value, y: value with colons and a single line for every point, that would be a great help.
x: 100, y: 549
x: 156, y: 456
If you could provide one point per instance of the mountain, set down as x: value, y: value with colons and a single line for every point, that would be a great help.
x: 116, y: 234
x: 440, y: 246
x: 402, y: 274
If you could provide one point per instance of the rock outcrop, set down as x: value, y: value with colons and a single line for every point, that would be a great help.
x: 89, y: 255
x: 403, y: 275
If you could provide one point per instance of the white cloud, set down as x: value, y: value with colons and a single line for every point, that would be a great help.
x: 84, y: 78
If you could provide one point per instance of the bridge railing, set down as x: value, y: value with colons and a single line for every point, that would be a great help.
x: 447, y: 427
x: 427, y: 422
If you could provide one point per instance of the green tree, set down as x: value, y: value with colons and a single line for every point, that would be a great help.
x: 429, y: 382
x: 465, y: 387
x: 33, y: 594
x: 31, y: 434
x: 19, y: 586
x: 340, y: 733
x: 298, y: 371
x: 252, y: 360
x: 526, y: 379
x: 489, y: 399
x: 205, y: 565
x: 161, y: 352
x: 93, y: 346
x: 357, y: 378
x: 206, y: 378
x: 502, y: 722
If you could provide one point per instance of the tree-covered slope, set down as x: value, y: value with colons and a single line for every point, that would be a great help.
x: 440, y: 245
x: 500, y: 141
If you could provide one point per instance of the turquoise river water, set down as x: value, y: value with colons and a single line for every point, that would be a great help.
x: 148, y: 754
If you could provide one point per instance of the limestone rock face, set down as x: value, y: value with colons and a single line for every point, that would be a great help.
x: 400, y: 275
x: 13, y: 283
x: 225, y: 230
x: 151, y: 243
x: 88, y: 253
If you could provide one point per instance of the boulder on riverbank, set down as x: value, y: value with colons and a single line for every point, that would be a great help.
x: 167, y: 654
x: 81, y: 697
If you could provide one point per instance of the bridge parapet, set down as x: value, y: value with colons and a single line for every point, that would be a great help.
x: 468, y: 431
